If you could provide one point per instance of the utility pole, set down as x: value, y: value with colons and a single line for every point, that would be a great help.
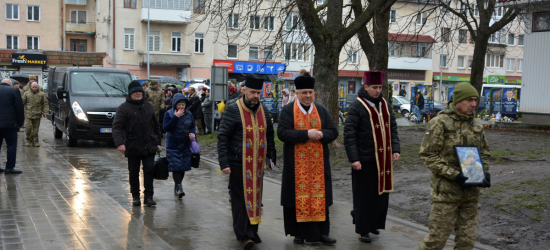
x: 148, y: 72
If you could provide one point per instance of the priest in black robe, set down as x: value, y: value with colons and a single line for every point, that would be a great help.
x: 306, y: 129
x: 233, y: 156
x: 365, y: 146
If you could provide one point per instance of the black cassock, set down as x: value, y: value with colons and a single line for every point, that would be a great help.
x: 309, y: 231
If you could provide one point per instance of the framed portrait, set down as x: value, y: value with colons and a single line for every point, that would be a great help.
x: 470, y: 162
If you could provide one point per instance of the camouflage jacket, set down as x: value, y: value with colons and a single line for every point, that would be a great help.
x: 437, y: 152
x: 155, y: 97
x: 36, y: 104
x: 28, y: 87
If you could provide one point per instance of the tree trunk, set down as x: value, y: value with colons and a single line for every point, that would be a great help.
x: 478, y: 63
x: 378, y: 58
x: 325, y: 67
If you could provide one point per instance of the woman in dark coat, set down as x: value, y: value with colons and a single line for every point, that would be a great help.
x: 180, y: 127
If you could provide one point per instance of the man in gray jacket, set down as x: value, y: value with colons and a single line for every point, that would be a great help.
x: 207, y: 110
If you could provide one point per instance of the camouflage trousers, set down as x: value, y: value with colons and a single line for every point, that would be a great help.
x: 448, y: 216
x: 31, y: 130
x: 198, y: 123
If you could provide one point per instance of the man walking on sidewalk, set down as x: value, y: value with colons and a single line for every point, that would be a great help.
x: 196, y: 110
x: 245, y: 142
x: 155, y: 96
x: 372, y: 144
x: 36, y: 104
x: 136, y: 133
x: 306, y: 129
x: 11, y: 119
x: 207, y: 110
x: 454, y: 201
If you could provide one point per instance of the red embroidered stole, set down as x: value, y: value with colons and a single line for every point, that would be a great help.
x: 309, y: 170
x: 254, y: 153
x: 380, y: 123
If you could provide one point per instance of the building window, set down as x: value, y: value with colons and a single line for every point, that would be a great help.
x: 154, y: 41
x: 129, y: 39
x: 176, y: 41
x: 233, y: 21
x: 79, y: 45
x: 394, y: 49
x: 268, y: 53
x: 199, y: 6
x: 422, y: 18
x: 476, y: 10
x: 422, y: 50
x: 498, y: 11
x: 520, y: 40
x: 12, y: 11
x: 293, y: 22
x: 464, y: 9
x: 393, y: 16
x: 79, y: 16
x: 463, y: 36
x: 33, y: 42
x: 319, y: 2
x: 255, y: 22
x: 129, y: 4
x: 461, y: 62
x: 470, y: 60
x: 498, y: 37
x: 512, y: 39
x: 33, y: 13
x: 253, y: 52
x: 296, y: 52
x: 269, y: 23
x: 510, y: 64
x: 541, y: 21
x: 445, y: 34
x: 352, y: 57
x: 232, y: 51
x: 520, y: 65
x: 199, y: 43
x: 494, y: 61
x: 443, y: 62
x: 12, y: 42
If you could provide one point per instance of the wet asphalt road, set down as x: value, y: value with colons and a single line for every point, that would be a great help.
x: 78, y: 198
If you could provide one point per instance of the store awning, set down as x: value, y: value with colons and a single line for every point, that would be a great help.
x: 411, y: 38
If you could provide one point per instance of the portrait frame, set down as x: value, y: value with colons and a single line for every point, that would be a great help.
x: 475, y: 171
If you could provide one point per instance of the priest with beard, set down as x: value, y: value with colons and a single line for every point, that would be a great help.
x: 306, y: 129
x: 372, y: 144
x: 245, y: 145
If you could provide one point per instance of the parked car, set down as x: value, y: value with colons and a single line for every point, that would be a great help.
x: 401, y: 105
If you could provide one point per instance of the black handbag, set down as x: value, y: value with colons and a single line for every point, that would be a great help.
x: 195, y: 160
x: 161, y: 167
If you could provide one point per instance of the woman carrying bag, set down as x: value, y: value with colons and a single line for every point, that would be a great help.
x: 179, y: 125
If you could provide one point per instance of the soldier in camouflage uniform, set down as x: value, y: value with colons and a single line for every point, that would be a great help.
x: 36, y: 105
x: 454, y: 202
x: 32, y: 79
x: 155, y: 96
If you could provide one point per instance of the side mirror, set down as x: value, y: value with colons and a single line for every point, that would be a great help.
x: 61, y: 92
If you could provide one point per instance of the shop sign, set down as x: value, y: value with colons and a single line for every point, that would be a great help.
x: 452, y: 78
x: 406, y: 74
x: 289, y: 75
x: 496, y: 79
x: 18, y: 59
x: 5, y: 68
x: 347, y: 73
x: 259, y: 68
x: 514, y: 81
x: 225, y: 64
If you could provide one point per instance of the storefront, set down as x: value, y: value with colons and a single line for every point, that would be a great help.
x: 407, y: 79
x: 500, y: 79
x: 30, y: 64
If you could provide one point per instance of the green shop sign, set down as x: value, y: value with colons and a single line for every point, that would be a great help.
x: 452, y: 78
x: 500, y: 79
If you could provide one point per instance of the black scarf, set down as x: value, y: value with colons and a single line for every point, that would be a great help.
x: 252, y: 107
x: 363, y: 93
x: 306, y: 108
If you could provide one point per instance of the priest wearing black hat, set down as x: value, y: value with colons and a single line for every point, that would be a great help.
x: 306, y: 129
x: 245, y: 145
x: 136, y: 133
x: 372, y: 144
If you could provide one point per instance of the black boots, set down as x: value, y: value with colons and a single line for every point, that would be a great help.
x: 136, y: 202
x: 149, y: 201
x: 365, y: 238
x: 327, y: 240
x: 12, y: 171
x: 179, y: 191
x: 298, y: 240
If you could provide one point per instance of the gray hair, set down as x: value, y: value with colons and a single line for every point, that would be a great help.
x: 6, y: 80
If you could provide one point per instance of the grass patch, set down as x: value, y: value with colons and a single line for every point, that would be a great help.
x: 532, y: 194
x: 536, y: 217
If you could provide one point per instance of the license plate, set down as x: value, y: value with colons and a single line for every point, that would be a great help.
x: 105, y: 130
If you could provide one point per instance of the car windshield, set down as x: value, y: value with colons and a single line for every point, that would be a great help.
x: 403, y: 100
x: 100, y: 83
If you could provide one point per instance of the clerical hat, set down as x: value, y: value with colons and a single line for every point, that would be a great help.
x: 374, y: 77
x: 254, y: 82
x: 304, y: 82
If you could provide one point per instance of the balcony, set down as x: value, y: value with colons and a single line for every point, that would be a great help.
x: 179, y: 16
x: 165, y: 59
x: 80, y: 28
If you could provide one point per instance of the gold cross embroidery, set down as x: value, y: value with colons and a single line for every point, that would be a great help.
x: 314, y: 122
x: 260, y: 159
x: 377, y: 126
x: 262, y: 128
x: 316, y: 154
x: 389, y: 148
x: 301, y: 124
x: 302, y: 186
x: 388, y: 172
x: 381, y: 149
x: 248, y: 128
x: 249, y: 159
x: 387, y: 125
x: 249, y: 190
x: 382, y: 174
x: 302, y: 155
x: 317, y: 186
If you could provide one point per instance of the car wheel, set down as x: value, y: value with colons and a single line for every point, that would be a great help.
x: 70, y: 141
x: 404, y: 112
x: 57, y: 134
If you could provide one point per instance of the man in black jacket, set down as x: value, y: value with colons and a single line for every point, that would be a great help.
x: 246, y: 161
x: 196, y: 109
x: 372, y: 143
x: 12, y: 116
x: 136, y: 133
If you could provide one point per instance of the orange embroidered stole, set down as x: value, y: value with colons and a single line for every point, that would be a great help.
x: 254, y: 153
x: 309, y: 170
x: 381, y: 132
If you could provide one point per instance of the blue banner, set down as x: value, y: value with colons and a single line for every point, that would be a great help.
x: 258, y: 68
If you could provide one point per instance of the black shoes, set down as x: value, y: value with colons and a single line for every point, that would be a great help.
x: 327, y: 240
x: 375, y: 232
x: 136, y: 202
x: 149, y: 201
x: 248, y: 244
x: 12, y: 171
x: 365, y: 238
x: 298, y: 240
x: 179, y: 191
